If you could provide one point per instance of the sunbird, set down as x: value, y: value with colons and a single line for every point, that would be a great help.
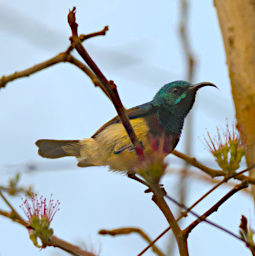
x: 158, y: 125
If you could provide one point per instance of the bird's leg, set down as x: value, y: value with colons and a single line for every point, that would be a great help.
x: 161, y: 186
x: 132, y: 175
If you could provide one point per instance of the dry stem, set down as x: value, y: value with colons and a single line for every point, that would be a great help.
x: 61, y: 57
x: 213, y: 173
x: 108, y: 87
x: 214, y: 208
x: 129, y: 230
x: 158, y: 198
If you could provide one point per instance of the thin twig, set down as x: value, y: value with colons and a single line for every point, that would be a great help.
x: 88, y: 36
x: 14, y: 218
x: 14, y: 212
x: 61, y: 57
x: 130, y: 230
x: 192, y: 161
x: 214, y: 208
x: 212, y: 172
x: 67, y: 247
x: 217, y: 185
x: 15, y: 191
x: 207, y: 179
x: 206, y: 221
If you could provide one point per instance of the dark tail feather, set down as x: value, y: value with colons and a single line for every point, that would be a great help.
x: 58, y: 148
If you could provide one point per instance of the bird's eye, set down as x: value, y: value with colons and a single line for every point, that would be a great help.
x: 176, y: 91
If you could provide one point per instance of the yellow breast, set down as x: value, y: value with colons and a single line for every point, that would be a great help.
x: 113, y: 147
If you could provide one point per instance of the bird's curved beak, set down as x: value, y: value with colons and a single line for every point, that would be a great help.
x: 200, y: 85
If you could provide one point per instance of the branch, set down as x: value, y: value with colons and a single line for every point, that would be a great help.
x: 207, y: 179
x: 192, y: 161
x: 13, y: 211
x: 108, y: 87
x: 125, y: 231
x: 187, y: 210
x: 214, y: 208
x: 67, y: 247
x: 213, y: 173
x: 13, y: 188
x: 88, y: 36
x: 61, y: 57
x: 158, y: 198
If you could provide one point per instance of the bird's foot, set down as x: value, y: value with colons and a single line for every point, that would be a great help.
x: 161, y: 186
x: 133, y: 176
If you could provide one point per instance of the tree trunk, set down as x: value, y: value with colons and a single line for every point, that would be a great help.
x: 237, y: 23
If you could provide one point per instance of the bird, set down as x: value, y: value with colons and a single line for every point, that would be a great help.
x: 158, y: 125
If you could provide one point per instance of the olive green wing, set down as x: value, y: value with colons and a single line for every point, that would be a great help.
x: 136, y: 112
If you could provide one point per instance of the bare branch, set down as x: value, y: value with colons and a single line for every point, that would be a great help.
x: 61, y: 57
x: 158, y: 199
x: 213, y: 173
x: 108, y: 87
x: 129, y: 230
x: 187, y: 210
x: 67, y: 247
x: 214, y: 208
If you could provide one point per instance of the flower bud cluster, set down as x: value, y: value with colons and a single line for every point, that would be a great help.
x: 227, y: 149
x: 246, y: 231
x: 40, y: 214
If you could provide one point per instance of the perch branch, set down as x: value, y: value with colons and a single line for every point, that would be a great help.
x: 158, y: 198
x: 108, y: 87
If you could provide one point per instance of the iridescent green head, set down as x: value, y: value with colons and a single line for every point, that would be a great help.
x: 178, y: 97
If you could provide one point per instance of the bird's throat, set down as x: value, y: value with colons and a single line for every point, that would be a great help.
x: 170, y: 122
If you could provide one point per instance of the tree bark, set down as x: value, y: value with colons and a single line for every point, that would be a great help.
x: 237, y: 23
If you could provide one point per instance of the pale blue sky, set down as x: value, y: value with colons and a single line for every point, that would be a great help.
x: 141, y: 52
